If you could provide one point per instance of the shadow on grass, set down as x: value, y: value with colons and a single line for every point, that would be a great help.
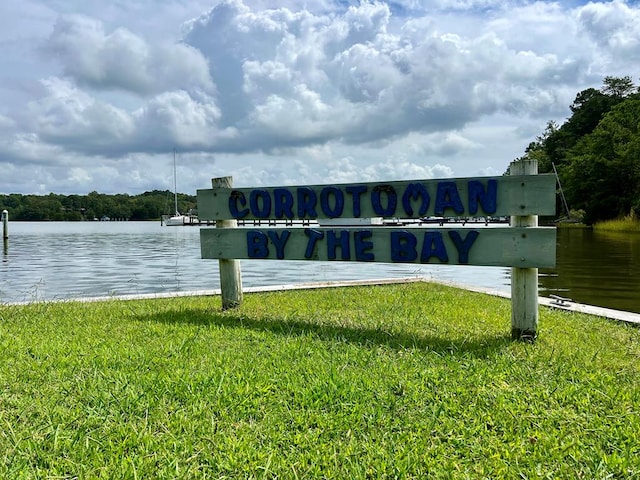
x: 477, y: 345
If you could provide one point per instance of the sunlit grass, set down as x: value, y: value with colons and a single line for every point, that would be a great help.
x: 627, y: 224
x: 400, y: 381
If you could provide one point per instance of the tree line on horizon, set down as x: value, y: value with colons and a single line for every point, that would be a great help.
x: 94, y: 206
x: 596, y: 153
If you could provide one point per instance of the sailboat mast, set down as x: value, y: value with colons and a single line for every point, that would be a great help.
x: 175, y: 184
x: 564, y: 200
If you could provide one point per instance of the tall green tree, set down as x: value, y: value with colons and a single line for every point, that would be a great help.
x: 603, y: 176
x: 596, y: 150
x: 618, y: 87
x: 588, y: 109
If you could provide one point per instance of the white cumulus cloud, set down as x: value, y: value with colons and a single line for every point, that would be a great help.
x: 121, y: 60
x: 287, y: 91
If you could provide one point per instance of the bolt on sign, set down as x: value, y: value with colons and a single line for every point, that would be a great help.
x: 471, y: 244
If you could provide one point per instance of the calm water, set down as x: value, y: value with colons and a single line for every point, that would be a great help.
x: 597, y: 268
x: 81, y: 259
x: 60, y: 260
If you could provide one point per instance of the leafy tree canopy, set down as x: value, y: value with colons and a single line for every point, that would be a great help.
x: 596, y: 152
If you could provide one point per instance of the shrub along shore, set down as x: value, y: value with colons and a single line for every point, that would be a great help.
x: 621, y: 225
x: 626, y: 224
x: 409, y: 380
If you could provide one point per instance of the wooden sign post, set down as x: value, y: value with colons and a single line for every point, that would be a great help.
x: 523, y: 246
x: 230, y: 274
x: 524, y: 281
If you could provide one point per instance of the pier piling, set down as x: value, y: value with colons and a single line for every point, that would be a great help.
x: 5, y: 224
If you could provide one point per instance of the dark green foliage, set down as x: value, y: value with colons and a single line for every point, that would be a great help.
x: 618, y: 87
x: 603, y: 173
x: 52, y: 207
x: 596, y: 150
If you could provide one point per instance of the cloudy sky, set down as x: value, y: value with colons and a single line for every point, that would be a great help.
x: 96, y: 95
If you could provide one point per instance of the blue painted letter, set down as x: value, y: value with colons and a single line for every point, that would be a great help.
x: 338, y: 206
x: 403, y: 246
x: 447, y: 196
x: 257, y: 244
x: 256, y: 209
x: 234, y: 197
x: 463, y: 246
x: 356, y: 191
x: 306, y: 203
x: 362, y: 245
x: 487, y: 199
x: 314, y: 236
x: 334, y: 242
x: 392, y: 200
x: 282, y: 203
x: 433, y: 246
x: 279, y: 241
x: 413, y: 192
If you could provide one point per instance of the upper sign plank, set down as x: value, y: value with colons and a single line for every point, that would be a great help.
x: 458, y: 197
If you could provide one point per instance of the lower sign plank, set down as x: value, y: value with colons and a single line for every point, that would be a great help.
x: 509, y: 247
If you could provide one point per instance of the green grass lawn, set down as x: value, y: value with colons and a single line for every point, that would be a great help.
x: 399, y: 381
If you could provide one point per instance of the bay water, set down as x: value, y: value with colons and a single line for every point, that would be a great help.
x: 65, y: 260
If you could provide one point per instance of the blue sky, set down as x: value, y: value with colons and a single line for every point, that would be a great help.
x: 96, y: 95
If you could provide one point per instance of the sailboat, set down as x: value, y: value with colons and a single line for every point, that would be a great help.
x: 176, y: 219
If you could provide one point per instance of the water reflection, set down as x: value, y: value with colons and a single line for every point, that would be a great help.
x: 598, y: 268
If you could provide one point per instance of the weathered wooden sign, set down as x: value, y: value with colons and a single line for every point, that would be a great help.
x: 524, y: 246
x: 464, y: 197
